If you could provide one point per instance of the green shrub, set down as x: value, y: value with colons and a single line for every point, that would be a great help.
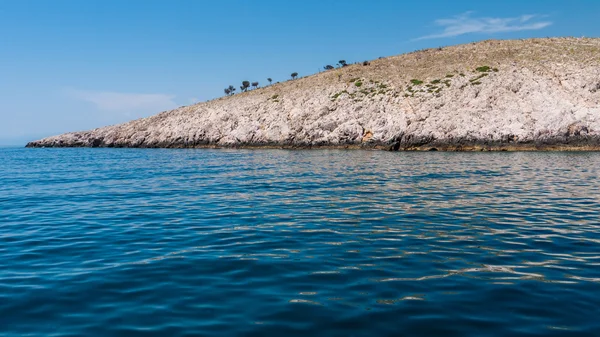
x: 335, y: 96
x: 416, y: 82
x: 483, y: 69
x: 274, y: 96
x: 435, y: 81
x: 476, y: 83
x: 358, y: 84
x: 449, y: 76
x: 461, y: 74
x: 495, y: 70
x: 478, y: 78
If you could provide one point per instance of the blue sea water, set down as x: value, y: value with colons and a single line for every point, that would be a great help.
x: 132, y: 242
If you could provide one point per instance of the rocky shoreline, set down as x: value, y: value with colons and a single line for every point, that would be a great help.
x: 514, y: 95
x: 573, y: 144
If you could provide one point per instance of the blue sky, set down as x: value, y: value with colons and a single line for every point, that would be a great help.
x: 68, y: 65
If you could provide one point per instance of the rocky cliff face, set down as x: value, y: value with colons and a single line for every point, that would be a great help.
x: 491, y: 95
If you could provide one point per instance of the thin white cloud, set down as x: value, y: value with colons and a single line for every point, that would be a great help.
x: 465, y: 24
x: 125, y: 102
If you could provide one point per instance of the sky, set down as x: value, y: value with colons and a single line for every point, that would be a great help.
x: 70, y: 65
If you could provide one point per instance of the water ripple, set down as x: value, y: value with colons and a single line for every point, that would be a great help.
x: 108, y: 242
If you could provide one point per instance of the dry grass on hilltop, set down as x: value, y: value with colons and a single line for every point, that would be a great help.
x: 436, y: 63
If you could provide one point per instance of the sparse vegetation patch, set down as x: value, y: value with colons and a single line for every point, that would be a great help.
x: 335, y: 96
x: 477, y: 78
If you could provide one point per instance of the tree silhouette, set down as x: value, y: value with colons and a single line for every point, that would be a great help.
x: 343, y: 63
x: 227, y: 91
x: 245, y: 85
x: 328, y: 67
x: 255, y: 85
x: 270, y: 80
x: 294, y: 75
x: 231, y: 89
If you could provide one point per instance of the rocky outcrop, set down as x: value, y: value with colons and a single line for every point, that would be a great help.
x: 491, y: 95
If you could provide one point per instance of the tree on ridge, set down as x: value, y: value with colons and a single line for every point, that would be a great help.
x: 245, y: 85
x: 294, y: 75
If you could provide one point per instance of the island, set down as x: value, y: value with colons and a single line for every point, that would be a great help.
x: 494, y: 95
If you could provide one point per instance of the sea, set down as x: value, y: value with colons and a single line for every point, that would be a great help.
x: 197, y: 242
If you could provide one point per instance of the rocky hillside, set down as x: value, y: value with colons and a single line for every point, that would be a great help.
x: 491, y: 95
